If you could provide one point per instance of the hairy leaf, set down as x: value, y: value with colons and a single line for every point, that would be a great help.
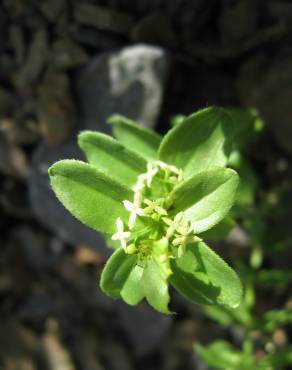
x: 135, y: 137
x: 132, y: 291
x: 111, y: 157
x: 206, y: 197
x: 201, y: 141
x: 155, y: 286
x: 117, y: 272
x: 90, y: 195
x: 203, y: 277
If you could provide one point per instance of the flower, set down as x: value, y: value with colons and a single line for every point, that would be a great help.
x: 151, y: 172
x: 121, y: 235
x: 154, y: 206
x: 134, y: 209
x: 173, y: 224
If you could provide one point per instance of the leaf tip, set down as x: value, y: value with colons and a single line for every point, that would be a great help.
x: 114, y: 118
x: 51, y: 170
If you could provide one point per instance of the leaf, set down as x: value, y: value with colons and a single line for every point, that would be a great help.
x: 273, y: 319
x: 90, y: 195
x: 132, y: 291
x: 221, y: 355
x: 203, y: 277
x: 117, y: 272
x: 202, y: 141
x: 155, y: 286
x: 280, y: 359
x: 111, y: 157
x: 135, y: 137
x: 206, y: 197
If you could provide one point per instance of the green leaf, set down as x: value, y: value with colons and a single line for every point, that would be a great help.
x: 117, y: 272
x: 135, y: 137
x: 280, y: 359
x: 203, y: 277
x: 132, y: 291
x: 90, y: 195
x: 275, y: 318
x: 206, y: 197
x: 222, y: 355
x: 202, y: 141
x: 155, y: 286
x: 111, y: 157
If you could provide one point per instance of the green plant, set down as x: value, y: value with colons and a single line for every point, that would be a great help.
x: 155, y: 199
x: 262, y: 330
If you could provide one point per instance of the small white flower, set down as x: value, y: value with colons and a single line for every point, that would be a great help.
x: 151, y: 172
x: 154, y: 206
x: 121, y: 235
x: 134, y: 210
x: 173, y: 224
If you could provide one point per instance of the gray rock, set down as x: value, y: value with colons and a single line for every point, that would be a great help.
x: 129, y: 81
x: 145, y: 327
x: 48, y: 209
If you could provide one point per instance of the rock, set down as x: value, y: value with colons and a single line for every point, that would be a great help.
x: 48, y: 209
x: 35, y: 60
x: 16, y: 36
x: 56, y: 110
x: 13, y: 159
x: 97, y: 39
x: 265, y: 84
x: 116, y: 356
x: 129, y: 81
x: 13, y: 199
x: 238, y: 21
x: 56, y: 353
x: 204, y: 87
x: 19, y: 346
x: 35, y: 309
x: 32, y: 248
x: 155, y: 29
x: 7, y: 104
x: 52, y: 8
x: 67, y: 54
x: 144, y: 327
x: 102, y: 18
x: 23, y: 130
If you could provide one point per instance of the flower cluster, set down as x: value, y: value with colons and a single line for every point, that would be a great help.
x: 152, y: 201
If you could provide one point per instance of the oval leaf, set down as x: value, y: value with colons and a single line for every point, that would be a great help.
x: 203, y: 277
x: 116, y: 272
x: 91, y: 196
x: 111, y: 157
x: 206, y: 197
x: 135, y: 137
x: 132, y: 291
x: 202, y: 141
x: 155, y: 285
